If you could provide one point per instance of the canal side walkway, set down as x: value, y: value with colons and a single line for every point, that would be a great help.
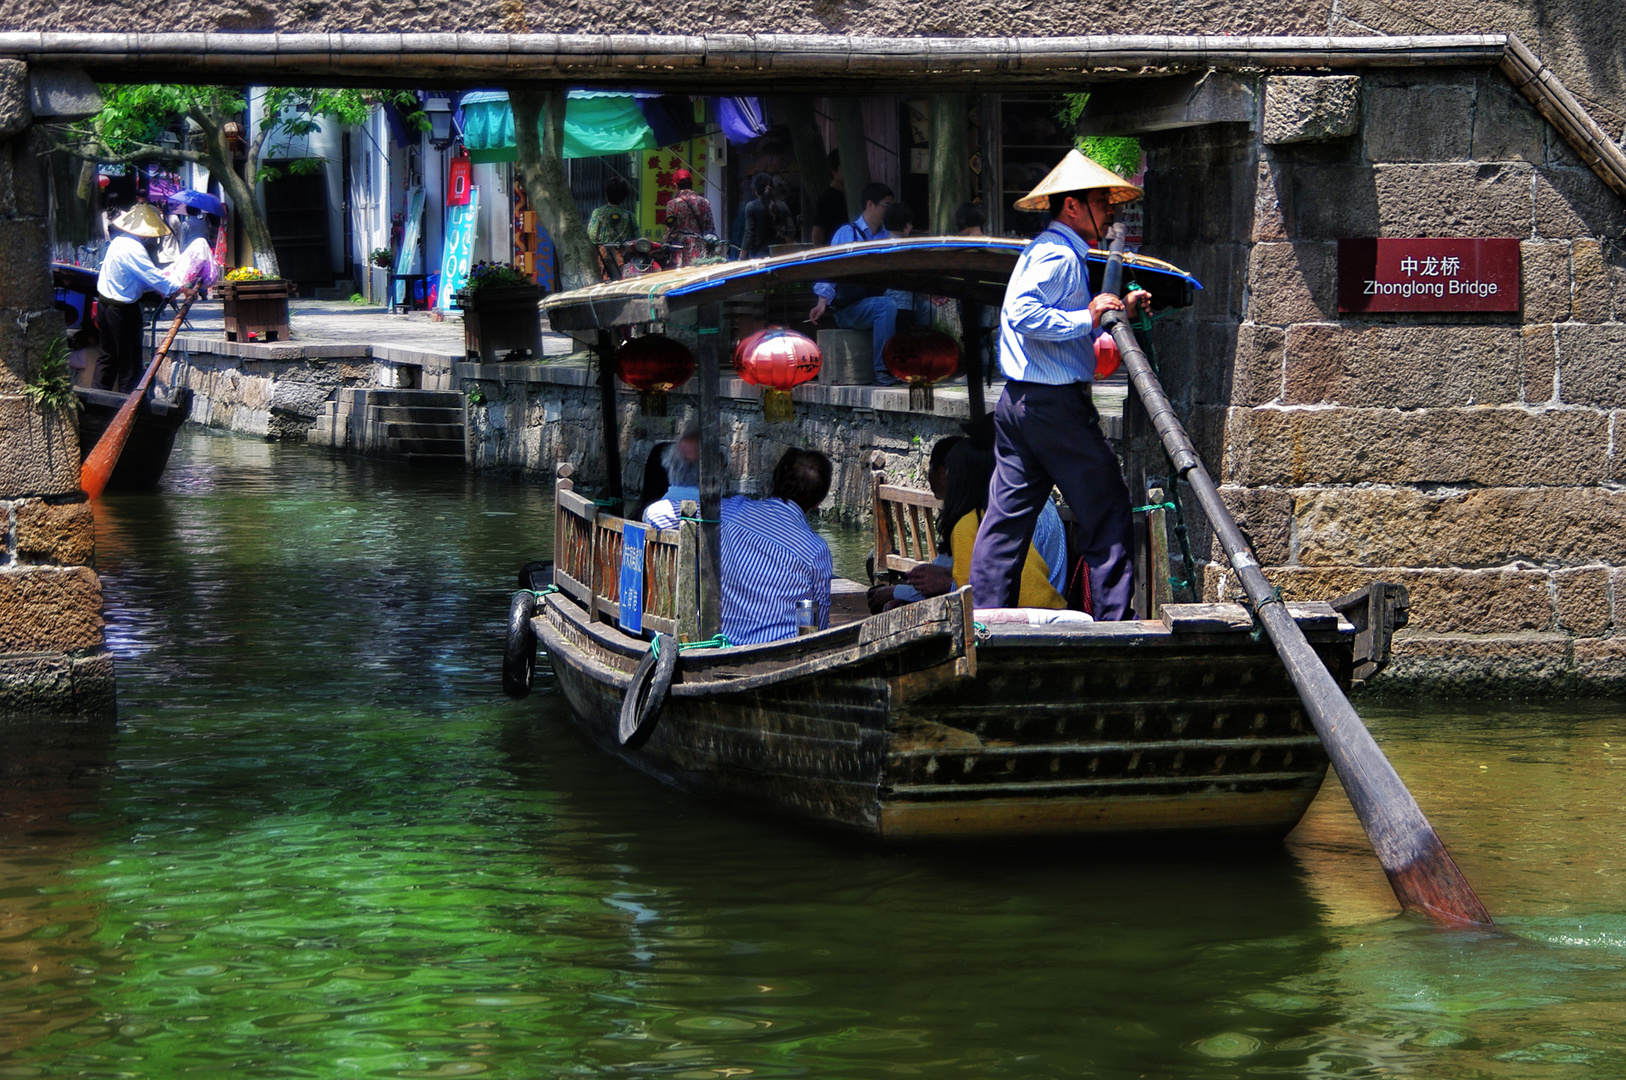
x: 364, y: 379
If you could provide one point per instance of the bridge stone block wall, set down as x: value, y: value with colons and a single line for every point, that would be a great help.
x: 53, y: 658
x: 1474, y: 458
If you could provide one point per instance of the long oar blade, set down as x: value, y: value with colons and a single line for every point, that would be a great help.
x: 1425, y: 878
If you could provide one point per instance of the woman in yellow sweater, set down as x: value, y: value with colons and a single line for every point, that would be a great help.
x: 1044, y: 573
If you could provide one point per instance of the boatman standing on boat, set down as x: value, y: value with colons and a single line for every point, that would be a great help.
x: 127, y: 271
x: 1047, y: 432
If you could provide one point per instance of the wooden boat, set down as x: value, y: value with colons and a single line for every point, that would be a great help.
x: 152, y: 439
x: 922, y: 723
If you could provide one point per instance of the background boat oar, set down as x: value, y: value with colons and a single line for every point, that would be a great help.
x: 1422, y: 873
x: 97, y: 468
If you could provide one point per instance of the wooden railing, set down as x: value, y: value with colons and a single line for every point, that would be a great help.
x: 588, y: 555
x: 905, y: 524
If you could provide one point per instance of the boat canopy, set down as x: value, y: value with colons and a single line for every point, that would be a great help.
x: 968, y: 267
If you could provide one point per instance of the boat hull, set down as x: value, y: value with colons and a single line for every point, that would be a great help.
x: 1109, y: 731
x: 152, y: 437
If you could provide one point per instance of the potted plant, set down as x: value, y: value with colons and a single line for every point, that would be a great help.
x: 501, y: 313
x: 255, y: 305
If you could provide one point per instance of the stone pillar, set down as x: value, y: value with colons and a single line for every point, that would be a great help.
x: 52, y: 654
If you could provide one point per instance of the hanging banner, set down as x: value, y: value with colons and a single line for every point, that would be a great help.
x: 459, y: 253
x: 631, y: 597
x: 459, y: 181
x: 658, y: 186
x: 409, y: 240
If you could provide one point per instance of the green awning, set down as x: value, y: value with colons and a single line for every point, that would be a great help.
x: 594, y: 126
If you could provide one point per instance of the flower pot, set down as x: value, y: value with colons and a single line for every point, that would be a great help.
x: 502, y: 321
x: 255, y: 309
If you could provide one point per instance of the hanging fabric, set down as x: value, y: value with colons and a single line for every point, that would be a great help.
x: 741, y: 118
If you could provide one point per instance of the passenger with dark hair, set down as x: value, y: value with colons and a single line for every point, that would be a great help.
x: 612, y: 223
x: 830, y: 212
x: 857, y: 307
x: 969, y: 469
x: 914, y: 309
x: 969, y: 220
x: 771, y: 558
x: 898, y: 220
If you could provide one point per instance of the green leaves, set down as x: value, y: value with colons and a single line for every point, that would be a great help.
x: 52, y: 384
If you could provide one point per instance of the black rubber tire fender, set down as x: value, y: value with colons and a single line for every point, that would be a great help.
x: 519, y: 650
x: 646, y: 694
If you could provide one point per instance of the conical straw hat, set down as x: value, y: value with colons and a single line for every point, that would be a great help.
x: 142, y: 220
x: 1078, y: 173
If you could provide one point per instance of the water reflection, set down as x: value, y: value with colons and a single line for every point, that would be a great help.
x: 320, y: 844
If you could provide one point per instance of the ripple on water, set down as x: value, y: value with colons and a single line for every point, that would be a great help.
x: 320, y: 843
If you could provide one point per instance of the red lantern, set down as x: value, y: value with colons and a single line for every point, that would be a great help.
x: 652, y: 365
x: 777, y: 359
x: 1107, y: 356
x: 920, y: 358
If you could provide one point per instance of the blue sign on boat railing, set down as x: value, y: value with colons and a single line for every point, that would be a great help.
x: 632, y: 578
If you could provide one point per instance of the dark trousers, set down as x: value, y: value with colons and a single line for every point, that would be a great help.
x: 120, y: 327
x: 1048, y: 436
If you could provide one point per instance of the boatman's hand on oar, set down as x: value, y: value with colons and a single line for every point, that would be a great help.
x: 1105, y: 302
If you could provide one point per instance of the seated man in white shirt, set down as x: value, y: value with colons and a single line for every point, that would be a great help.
x: 681, y: 460
x: 771, y: 558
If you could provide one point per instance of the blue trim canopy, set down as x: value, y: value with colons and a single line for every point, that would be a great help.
x: 596, y: 124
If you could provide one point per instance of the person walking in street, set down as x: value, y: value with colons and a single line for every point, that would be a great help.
x: 688, y: 220
x: 1046, y: 430
x: 759, y: 228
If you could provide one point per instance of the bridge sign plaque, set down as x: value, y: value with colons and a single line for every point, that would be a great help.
x: 1428, y: 274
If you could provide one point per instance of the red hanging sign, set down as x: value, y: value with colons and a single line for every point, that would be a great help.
x: 1428, y: 274
x: 458, y: 179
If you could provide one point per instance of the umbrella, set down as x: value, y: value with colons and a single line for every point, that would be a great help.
x: 200, y: 200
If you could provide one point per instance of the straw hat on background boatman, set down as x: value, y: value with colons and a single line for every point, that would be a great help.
x: 142, y: 220
x: 1076, y: 172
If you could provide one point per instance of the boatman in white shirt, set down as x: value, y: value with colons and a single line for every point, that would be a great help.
x: 1047, y: 432
x: 127, y: 271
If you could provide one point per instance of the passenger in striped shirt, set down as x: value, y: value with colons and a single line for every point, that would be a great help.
x: 771, y: 558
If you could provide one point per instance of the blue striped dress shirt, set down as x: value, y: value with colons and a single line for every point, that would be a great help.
x: 770, y: 560
x: 1045, y: 326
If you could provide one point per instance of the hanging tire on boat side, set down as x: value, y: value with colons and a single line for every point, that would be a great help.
x: 519, y: 651
x: 646, y: 694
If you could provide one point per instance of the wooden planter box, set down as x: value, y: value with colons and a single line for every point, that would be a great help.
x: 255, y: 309
x: 500, y: 322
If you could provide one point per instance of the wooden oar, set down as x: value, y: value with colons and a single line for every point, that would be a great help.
x: 97, y: 468
x: 1421, y: 872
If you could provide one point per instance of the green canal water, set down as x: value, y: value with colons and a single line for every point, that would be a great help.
x: 319, y: 843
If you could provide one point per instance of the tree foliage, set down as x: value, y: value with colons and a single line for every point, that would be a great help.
x: 1120, y: 153
x: 133, y: 123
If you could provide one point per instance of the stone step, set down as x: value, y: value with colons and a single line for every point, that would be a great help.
x: 433, y: 399
x: 423, y: 431
x: 408, y: 414
x: 425, y: 447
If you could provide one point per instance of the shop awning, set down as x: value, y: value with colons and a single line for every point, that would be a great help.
x: 595, y: 124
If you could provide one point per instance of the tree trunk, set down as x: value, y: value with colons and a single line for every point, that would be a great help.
x: 542, y: 170
x: 812, y: 160
x: 240, y: 190
x: 849, y: 117
x: 951, y: 160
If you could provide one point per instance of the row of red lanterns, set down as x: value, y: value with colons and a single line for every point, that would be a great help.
x: 778, y: 360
